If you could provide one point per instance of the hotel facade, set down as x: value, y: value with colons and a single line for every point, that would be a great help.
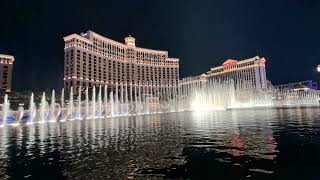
x: 93, y: 60
x: 6, y: 66
x: 251, y: 71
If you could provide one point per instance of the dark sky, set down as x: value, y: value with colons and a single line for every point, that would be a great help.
x: 202, y: 33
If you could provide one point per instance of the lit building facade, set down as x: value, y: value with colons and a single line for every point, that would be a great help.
x: 193, y: 79
x: 309, y: 84
x: 93, y: 60
x: 187, y: 83
x: 6, y: 66
x: 250, y: 70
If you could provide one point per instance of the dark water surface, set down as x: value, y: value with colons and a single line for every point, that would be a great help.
x: 235, y: 144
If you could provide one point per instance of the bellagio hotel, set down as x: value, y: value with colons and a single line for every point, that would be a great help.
x: 93, y: 60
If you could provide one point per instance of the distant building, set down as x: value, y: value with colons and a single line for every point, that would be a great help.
x: 6, y: 65
x: 192, y: 81
x: 93, y: 60
x: 302, y: 85
x: 249, y: 70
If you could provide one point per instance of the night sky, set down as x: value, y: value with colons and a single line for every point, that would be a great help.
x: 202, y: 33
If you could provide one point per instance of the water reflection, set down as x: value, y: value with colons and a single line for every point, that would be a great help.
x: 237, y: 143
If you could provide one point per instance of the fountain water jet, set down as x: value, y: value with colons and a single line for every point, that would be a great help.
x: 5, y: 109
x: 70, y: 112
x: 99, y: 103
x: 79, y: 104
x: 93, y: 102
x: 32, y: 109
x: 52, y: 107
x: 215, y: 94
x: 43, y: 108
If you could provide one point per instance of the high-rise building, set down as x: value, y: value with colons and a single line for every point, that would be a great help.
x: 6, y: 65
x: 93, y: 60
x: 250, y: 70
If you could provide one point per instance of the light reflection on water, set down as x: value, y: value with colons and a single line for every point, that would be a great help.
x: 237, y: 143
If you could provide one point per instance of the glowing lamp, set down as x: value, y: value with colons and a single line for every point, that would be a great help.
x: 318, y: 68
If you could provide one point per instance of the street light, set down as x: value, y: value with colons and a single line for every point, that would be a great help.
x: 318, y: 68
